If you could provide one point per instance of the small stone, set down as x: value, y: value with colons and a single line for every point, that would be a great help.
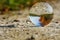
x: 27, y: 33
x: 16, y: 20
x: 56, y: 22
x: 3, y: 17
x: 32, y: 38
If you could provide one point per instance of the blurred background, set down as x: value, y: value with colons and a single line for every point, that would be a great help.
x: 6, y: 5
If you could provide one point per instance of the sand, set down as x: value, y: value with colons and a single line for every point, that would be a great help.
x: 24, y: 29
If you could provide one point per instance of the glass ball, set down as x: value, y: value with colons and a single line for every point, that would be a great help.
x: 41, y: 14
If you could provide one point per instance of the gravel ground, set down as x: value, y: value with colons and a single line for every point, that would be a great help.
x: 24, y: 30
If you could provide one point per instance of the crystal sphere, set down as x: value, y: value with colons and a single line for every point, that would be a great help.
x: 41, y: 13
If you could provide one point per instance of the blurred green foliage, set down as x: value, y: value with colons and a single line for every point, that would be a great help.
x: 16, y: 4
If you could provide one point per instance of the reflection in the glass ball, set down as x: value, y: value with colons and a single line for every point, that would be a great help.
x: 35, y: 20
x: 42, y: 20
x: 46, y: 19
